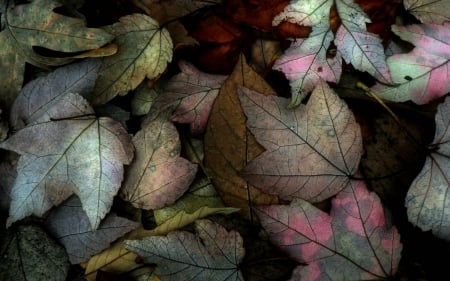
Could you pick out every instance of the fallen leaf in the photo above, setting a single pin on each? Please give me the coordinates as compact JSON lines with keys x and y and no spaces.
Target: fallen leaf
{"x":28,"y":253}
{"x":311,"y":151}
{"x":429,"y":11}
{"x":143,"y":98}
{"x":263,"y":54}
{"x":307,"y":61}
{"x":35,"y":24}
{"x":189,"y":96}
{"x":61,"y":156}
{"x":353,"y":242}
{"x":69,"y":224}
{"x":212,"y":254}
{"x":158,"y":175}
{"x":229,"y":146}
{"x":427,"y":200}
{"x":416,"y":73}
{"x":145,"y":49}
{"x":35,"y":99}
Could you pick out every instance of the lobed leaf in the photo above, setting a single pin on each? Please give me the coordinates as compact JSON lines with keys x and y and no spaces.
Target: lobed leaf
{"x":429,"y":11}
{"x":311,"y":151}
{"x":354,"y":242}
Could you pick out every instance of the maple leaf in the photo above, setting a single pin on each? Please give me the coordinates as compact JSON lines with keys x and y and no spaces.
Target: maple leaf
{"x":213,"y":254}
{"x":69,"y":224}
{"x":61,"y":156}
{"x":36,"y":24}
{"x":429,"y":11}
{"x":28,"y":252}
{"x":427,"y":201}
{"x":158,"y":175}
{"x":189,"y":95}
{"x":421,"y":75}
{"x":310,"y":151}
{"x":306,"y":62}
{"x":42,"y":93}
{"x":353,"y":242}
{"x":144,"y":51}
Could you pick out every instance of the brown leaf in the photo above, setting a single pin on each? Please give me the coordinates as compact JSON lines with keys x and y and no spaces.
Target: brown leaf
{"x":229,"y":146}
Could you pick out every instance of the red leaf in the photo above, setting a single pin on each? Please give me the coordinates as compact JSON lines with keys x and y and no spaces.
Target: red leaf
{"x":353,"y":242}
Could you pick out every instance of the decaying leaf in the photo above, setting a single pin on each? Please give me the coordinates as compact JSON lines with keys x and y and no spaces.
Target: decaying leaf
{"x":35,"y":24}
{"x":427,"y":201}
{"x":144,"y":51}
{"x":212,"y":254}
{"x":61,"y":156}
{"x":307,"y":61}
{"x":353,"y":242}
{"x":429,"y":11}
{"x":28,"y":253}
{"x":35,"y":99}
{"x":158,"y":176}
{"x":69,"y":224}
{"x":189,"y":96}
{"x":143,"y":98}
{"x":311,"y":151}
{"x":229,"y":146}
{"x":422,"y":75}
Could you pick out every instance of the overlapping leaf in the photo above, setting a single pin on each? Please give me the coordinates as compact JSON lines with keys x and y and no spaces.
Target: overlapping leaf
{"x":70,"y":225}
{"x":37,"y":25}
{"x":61,"y":156}
{"x":190,"y":96}
{"x":158,"y":175}
{"x":423,"y":74}
{"x":213,"y":254}
{"x":353,"y":242}
{"x":306,"y":61}
{"x":429,"y":11}
{"x":428,"y":200}
{"x":310,"y":151}
{"x":144,"y":51}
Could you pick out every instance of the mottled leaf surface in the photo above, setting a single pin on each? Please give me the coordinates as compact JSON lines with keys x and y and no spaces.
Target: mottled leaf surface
{"x":308,"y":60}
{"x":311,"y":150}
{"x":41,"y":94}
{"x":36,"y":24}
{"x":229,"y":145}
{"x":145,"y":49}
{"x":421,"y":75}
{"x":28,"y":253}
{"x":429,"y":11}
{"x":189,"y":95}
{"x":69,"y":224}
{"x":158,"y":176}
{"x":428,"y":199}
{"x":212,"y":254}
{"x":353,"y":242}
{"x":82,"y":155}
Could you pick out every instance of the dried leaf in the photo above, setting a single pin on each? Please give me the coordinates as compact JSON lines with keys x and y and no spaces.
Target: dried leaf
{"x":416,"y":73}
{"x":36,"y":24}
{"x":84,"y":156}
{"x":229,"y":146}
{"x":213,"y":254}
{"x":28,"y":253}
{"x":43,"y":93}
{"x":70,"y":225}
{"x":311,"y":151}
{"x":158,"y":176}
{"x":144,"y":51}
{"x":354,"y":242}
{"x":143,"y":99}
{"x":189,"y":96}
{"x":429,"y":11}
{"x":427,"y":200}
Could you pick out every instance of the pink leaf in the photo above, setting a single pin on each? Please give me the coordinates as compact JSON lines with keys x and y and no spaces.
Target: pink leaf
{"x":354,"y":242}
{"x":311,"y":150}
{"x":423,"y":74}
{"x":189,"y":95}
{"x":306,"y":62}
